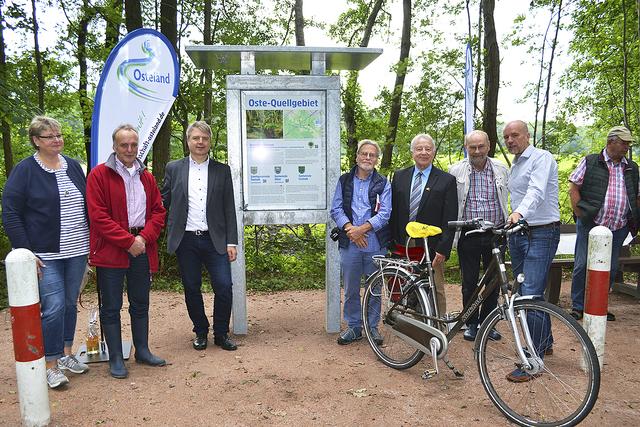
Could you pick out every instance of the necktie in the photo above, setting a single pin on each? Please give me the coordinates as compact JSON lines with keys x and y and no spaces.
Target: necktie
{"x":416,"y":195}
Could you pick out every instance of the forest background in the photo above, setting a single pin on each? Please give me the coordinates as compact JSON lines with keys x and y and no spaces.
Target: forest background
{"x":582,"y":58}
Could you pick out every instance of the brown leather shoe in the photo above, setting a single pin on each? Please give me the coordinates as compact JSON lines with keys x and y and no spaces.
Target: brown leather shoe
{"x":520,"y":376}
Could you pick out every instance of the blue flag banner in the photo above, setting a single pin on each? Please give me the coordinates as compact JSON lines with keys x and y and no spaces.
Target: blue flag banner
{"x":138,"y":85}
{"x":468,"y":91}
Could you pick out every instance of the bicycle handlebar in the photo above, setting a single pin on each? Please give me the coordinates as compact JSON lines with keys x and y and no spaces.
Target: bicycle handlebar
{"x":479,"y":225}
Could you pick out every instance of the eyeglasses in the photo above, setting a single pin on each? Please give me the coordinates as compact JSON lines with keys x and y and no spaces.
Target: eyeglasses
{"x":50,"y":138}
{"x":368,"y":155}
{"x":200,"y":138}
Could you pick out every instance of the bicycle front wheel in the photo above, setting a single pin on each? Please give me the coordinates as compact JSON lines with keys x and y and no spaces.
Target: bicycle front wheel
{"x":563,"y":385}
{"x":383,"y":291}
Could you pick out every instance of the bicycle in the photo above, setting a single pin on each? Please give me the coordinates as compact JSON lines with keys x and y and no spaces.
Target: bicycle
{"x":563,"y":372}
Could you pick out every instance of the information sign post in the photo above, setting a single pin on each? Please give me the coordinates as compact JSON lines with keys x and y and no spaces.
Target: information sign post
{"x":283,"y":144}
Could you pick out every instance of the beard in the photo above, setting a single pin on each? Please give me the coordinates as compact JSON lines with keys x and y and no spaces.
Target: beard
{"x":478,"y":162}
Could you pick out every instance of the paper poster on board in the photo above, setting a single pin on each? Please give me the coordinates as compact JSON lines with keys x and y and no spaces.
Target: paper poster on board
{"x":284,"y":150}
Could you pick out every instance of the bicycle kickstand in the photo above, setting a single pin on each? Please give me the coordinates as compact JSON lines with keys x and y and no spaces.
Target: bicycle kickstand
{"x":456,"y":372}
{"x":430,"y":373}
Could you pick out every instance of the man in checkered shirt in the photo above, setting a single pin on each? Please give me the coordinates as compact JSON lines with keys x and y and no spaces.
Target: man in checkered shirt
{"x":603,"y":191}
{"x":482,"y":193}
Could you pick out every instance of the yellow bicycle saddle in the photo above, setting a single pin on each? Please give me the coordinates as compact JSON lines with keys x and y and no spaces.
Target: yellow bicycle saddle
{"x":417,"y":230}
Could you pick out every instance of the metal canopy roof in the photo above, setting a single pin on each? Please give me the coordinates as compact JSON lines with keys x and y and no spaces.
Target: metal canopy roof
{"x":293,"y":58}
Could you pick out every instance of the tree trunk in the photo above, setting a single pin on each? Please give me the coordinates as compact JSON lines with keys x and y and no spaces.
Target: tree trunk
{"x":132,"y":15}
{"x":351,"y":94}
{"x":38,"y":57}
{"x":478,"y":60}
{"x":491,"y":75}
{"x":299,"y":23}
{"x":540,"y":73}
{"x":85,"y":102}
{"x":625,"y":66}
{"x":168,"y":27}
{"x":5,"y":126}
{"x":549,"y":75}
{"x":113,"y":18}
{"x":396,"y":99}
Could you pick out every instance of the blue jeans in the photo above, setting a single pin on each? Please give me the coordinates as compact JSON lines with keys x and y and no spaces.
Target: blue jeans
{"x":533,"y":256}
{"x":578,"y":280}
{"x":59,"y":289}
{"x":111,"y":285}
{"x":355,"y":264}
{"x":194,"y":252}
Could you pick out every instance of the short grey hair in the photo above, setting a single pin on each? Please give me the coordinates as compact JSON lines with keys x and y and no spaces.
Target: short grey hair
{"x":201,"y":125}
{"x":473,"y":133}
{"x":125,"y":126}
{"x":420,"y":136}
{"x":369,"y":142}
{"x":40,"y":124}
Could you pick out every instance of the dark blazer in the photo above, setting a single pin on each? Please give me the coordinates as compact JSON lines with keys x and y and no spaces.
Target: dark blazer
{"x":221,"y":215}
{"x":439,"y":204}
{"x":31,"y":205}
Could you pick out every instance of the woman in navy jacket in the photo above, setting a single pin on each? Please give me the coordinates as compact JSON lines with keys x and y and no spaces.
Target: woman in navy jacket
{"x":44,"y":210}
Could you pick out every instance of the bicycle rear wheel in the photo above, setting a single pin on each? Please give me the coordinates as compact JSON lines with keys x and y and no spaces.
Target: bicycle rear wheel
{"x":383,"y":291}
{"x":563,"y":390}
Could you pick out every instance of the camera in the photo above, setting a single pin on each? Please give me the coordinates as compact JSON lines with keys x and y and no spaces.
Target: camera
{"x":335,"y":234}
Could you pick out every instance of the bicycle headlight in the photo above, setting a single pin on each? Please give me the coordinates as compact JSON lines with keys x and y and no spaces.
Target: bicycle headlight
{"x":520,"y":278}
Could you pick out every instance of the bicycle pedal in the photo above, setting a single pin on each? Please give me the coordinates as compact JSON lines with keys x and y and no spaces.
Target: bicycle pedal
{"x":429,"y":373}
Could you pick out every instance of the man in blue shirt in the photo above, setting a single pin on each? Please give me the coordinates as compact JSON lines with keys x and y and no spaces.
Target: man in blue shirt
{"x":533,"y":185}
{"x":361,"y":208}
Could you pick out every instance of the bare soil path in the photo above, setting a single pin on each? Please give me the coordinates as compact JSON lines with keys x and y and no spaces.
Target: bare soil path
{"x":288,"y":371}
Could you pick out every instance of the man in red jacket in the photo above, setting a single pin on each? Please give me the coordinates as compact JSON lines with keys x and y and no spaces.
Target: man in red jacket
{"x":125,"y":217}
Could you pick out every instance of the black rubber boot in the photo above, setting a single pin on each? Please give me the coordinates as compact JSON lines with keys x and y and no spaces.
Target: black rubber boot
{"x":113,"y":336}
{"x":140,"y":332}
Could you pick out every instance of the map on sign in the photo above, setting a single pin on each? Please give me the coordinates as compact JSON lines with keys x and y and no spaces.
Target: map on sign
{"x":302,"y":124}
{"x":284,"y":140}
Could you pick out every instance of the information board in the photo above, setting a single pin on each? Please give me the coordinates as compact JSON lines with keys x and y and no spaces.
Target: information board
{"x":284,"y":150}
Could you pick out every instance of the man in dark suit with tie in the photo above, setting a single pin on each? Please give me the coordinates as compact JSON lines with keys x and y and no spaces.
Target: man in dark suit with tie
{"x":201,"y":229}
{"x":428,"y":195}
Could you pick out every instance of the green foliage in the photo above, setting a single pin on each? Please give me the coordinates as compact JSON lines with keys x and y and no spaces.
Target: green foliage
{"x":596,"y":77}
{"x":285,"y":257}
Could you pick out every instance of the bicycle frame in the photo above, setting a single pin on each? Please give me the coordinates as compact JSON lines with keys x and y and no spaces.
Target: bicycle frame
{"x":494,"y":277}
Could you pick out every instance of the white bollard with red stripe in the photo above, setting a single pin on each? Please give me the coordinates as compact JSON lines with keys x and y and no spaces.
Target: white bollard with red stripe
{"x":596,"y":297}
{"x":28,"y":347}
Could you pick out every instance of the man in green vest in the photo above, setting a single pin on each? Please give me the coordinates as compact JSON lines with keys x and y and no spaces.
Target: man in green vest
{"x":603,"y":191}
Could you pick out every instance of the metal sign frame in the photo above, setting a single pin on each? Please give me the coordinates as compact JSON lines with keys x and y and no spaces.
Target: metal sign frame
{"x":316,"y":61}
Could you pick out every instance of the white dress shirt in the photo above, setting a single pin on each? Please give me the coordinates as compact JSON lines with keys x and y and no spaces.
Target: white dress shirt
{"x":198,"y":183}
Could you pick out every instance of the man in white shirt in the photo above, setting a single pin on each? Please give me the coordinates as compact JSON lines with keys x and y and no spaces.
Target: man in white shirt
{"x":533,"y":185}
{"x":198,"y":194}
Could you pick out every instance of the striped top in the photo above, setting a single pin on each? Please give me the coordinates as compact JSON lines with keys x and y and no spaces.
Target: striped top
{"x":74,"y":228}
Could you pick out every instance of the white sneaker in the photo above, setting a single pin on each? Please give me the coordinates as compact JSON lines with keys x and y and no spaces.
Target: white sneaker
{"x":70,"y":363}
{"x":55,"y":378}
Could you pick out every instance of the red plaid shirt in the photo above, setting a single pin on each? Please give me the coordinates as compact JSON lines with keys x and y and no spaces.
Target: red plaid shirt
{"x":615,"y":207}
{"x":482,"y":199}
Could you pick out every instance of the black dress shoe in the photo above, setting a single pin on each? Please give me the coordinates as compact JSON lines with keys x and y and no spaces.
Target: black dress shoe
{"x":225,"y":342}
{"x":200,"y":342}
{"x":470,"y":333}
{"x":494,"y":335}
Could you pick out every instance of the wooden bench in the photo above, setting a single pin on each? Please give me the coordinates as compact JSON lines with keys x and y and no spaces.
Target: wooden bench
{"x":626,"y":263}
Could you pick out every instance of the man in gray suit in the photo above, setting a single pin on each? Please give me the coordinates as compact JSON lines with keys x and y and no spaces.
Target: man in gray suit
{"x":201,"y":227}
